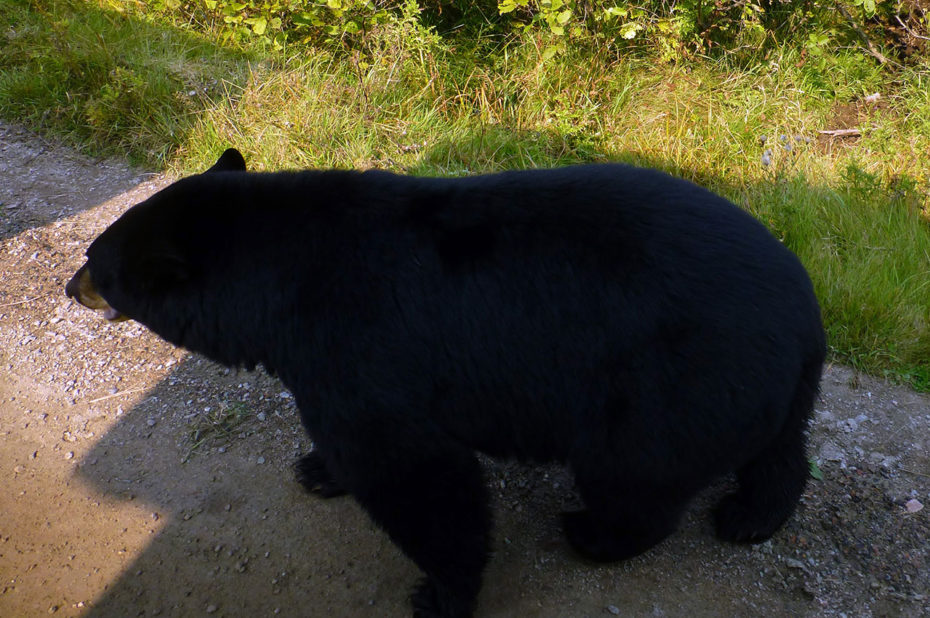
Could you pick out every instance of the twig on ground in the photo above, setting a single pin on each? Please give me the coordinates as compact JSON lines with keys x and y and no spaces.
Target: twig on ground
{"x":842,"y":132}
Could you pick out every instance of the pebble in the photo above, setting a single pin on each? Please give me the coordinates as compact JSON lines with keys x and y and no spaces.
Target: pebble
{"x":912,"y":506}
{"x":831,"y":452}
{"x":613,"y":609}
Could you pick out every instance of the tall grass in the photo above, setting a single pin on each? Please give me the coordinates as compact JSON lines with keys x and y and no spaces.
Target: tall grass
{"x":105,"y":82}
{"x":854,"y":209}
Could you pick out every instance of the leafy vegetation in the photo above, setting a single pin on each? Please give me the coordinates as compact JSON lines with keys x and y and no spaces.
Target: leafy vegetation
{"x":218,"y":427}
{"x":732,"y":95}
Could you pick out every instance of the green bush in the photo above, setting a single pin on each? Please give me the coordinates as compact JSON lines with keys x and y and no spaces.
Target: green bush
{"x":675,"y":28}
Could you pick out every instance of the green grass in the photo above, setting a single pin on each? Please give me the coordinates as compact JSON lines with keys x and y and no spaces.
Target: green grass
{"x":104,"y":82}
{"x":218,"y":428}
{"x":855,"y":210}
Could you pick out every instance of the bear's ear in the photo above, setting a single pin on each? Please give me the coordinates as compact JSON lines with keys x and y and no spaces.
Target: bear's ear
{"x":230,"y":161}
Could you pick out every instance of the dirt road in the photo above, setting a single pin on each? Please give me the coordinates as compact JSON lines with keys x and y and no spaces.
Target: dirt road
{"x":136,"y":479}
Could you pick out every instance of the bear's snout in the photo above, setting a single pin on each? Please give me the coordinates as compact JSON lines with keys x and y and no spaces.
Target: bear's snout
{"x":72,"y":288}
{"x":81,"y":288}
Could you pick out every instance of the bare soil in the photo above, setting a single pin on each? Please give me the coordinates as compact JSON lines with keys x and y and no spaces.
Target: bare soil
{"x":138,"y":479}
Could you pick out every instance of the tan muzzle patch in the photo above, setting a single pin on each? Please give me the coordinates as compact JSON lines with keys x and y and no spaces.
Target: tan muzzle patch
{"x":81,"y":288}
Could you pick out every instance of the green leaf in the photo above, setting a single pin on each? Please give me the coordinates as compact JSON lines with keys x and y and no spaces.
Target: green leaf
{"x":815,"y":470}
{"x":304,"y":19}
{"x":550,"y":52}
{"x":506,"y":6}
{"x":616,"y":11}
{"x":259,"y":24}
{"x":564,"y":16}
{"x":629,"y":30}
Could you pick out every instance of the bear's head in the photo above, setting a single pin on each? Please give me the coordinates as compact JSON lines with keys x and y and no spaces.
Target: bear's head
{"x":148,"y":264}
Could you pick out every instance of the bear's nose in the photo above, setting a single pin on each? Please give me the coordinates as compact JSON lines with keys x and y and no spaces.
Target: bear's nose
{"x":72,"y":288}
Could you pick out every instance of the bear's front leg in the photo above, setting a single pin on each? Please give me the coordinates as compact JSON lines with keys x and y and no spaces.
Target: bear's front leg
{"x":313,"y":475}
{"x":428,"y":493}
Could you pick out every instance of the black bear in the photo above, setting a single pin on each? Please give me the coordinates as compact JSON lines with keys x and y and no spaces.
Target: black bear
{"x":642,"y":330}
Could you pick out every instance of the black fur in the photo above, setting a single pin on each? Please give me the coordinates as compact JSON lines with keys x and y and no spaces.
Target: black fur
{"x":635,"y":326}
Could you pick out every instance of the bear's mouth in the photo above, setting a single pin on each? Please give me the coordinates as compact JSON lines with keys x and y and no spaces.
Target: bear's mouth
{"x":81,"y":288}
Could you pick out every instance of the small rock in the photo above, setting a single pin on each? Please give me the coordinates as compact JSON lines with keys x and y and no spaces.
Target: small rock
{"x":793,"y":563}
{"x":151,"y":422}
{"x":613,"y":609}
{"x":912,"y":506}
{"x":211,"y":608}
{"x":260,"y":460}
{"x":261,"y":416}
{"x":849,"y":425}
{"x":831,"y":452}
{"x":69,"y":455}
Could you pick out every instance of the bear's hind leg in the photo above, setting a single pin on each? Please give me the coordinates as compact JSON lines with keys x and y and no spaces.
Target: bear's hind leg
{"x":622,"y":520}
{"x":769,"y":489}
{"x":771,"y":484}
